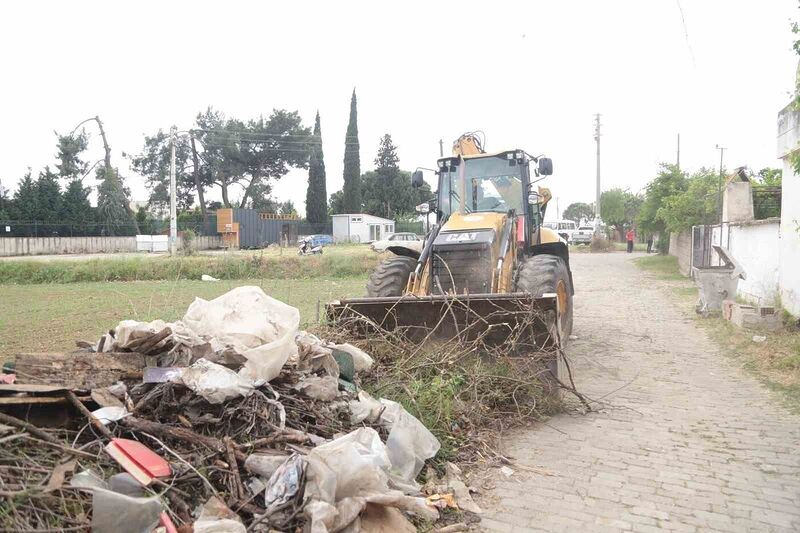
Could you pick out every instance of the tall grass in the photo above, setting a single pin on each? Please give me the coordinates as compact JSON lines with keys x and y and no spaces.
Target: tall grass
{"x":192,"y":268}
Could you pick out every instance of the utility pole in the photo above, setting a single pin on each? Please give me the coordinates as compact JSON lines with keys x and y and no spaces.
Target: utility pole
{"x":441,"y":148}
{"x":558,"y":211}
{"x":597,"y":192}
{"x":678,"y":159}
{"x":719,"y":199}
{"x":173,"y":215}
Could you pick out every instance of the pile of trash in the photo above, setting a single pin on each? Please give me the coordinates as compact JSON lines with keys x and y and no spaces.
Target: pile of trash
{"x":230,"y":419}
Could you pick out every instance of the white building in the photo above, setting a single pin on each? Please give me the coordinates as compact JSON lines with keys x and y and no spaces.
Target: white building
{"x":360,"y":228}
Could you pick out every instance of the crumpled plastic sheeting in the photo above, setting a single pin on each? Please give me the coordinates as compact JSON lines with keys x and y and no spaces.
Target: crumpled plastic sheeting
{"x":214,"y":382}
{"x":113,"y":512}
{"x":408,"y":446}
{"x":259,"y":327}
{"x":216,"y":517}
{"x":325,"y":388}
{"x":343,"y":475}
{"x":313,"y":356}
{"x":366,"y":408}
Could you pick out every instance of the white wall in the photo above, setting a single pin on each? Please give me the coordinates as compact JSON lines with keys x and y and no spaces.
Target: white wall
{"x":756,"y":248}
{"x":11,"y":246}
{"x":355,"y":228}
{"x":789,"y":275}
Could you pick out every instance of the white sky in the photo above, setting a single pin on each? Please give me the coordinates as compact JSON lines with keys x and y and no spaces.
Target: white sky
{"x":529,"y":74}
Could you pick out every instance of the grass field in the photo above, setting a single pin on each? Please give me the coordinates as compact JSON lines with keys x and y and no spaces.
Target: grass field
{"x":51,"y":317}
{"x":776,"y":361}
{"x":337,"y":261}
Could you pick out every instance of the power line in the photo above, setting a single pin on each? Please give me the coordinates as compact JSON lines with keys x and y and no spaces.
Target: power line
{"x":686,"y":33}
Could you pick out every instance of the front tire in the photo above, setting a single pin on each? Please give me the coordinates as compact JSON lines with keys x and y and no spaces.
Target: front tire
{"x":391,"y":277}
{"x":545,"y":273}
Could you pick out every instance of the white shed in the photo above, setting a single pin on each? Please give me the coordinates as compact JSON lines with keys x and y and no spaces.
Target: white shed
{"x":361,"y":228}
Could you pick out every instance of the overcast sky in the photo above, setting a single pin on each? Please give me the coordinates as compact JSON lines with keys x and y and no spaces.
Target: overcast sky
{"x":529,"y":74}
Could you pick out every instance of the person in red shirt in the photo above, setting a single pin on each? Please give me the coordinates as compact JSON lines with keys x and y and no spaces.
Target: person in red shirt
{"x":629,"y":237}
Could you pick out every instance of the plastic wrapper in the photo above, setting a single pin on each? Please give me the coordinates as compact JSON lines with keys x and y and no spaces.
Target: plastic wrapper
{"x":264,"y":465}
{"x":214,"y":382}
{"x":284,"y":484}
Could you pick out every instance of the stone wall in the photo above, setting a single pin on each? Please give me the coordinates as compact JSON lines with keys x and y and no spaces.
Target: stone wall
{"x":680,"y":245}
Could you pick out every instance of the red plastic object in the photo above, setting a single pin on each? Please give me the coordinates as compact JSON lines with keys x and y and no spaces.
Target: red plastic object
{"x":8,"y":379}
{"x":166,"y":522}
{"x":138,"y":460}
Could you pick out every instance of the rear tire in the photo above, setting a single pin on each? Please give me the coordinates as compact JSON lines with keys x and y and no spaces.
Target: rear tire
{"x":547,"y":273}
{"x":391,"y":277}
{"x":542,"y":274}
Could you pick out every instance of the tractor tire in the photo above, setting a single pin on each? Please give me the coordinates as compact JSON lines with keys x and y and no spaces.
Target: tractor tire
{"x":391,"y":277}
{"x":545,"y":273}
{"x":538,"y":275}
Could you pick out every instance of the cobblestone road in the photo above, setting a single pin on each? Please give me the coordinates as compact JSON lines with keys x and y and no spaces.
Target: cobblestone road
{"x":688,"y":443}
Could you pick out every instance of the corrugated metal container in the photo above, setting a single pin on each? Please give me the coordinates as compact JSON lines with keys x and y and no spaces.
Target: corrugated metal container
{"x":256,"y":231}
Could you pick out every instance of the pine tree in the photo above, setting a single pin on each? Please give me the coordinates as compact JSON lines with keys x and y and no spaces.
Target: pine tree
{"x":76,"y":210}
{"x":387,"y":172}
{"x":316,"y":195}
{"x":113,"y":210}
{"x":48,"y":197}
{"x":352,"y":163}
{"x":24,"y":204}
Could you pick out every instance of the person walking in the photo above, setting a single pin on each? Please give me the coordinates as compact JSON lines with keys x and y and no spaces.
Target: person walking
{"x":649,"y":243}
{"x":629,"y":237}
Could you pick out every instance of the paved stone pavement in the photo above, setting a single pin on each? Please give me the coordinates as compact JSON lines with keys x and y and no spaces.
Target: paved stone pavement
{"x":689,"y":441}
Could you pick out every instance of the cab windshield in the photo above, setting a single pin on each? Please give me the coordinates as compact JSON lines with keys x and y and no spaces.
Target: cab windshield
{"x":492,"y":184}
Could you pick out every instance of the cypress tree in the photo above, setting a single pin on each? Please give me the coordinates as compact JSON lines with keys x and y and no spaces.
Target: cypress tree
{"x":76,"y":209}
{"x":352,"y":163}
{"x":48,"y":197}
{"x":23,"y":207}
{"x":316,"y":194}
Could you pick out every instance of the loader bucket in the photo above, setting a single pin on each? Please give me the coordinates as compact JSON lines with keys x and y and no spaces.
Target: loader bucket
{"x":530,"y":323}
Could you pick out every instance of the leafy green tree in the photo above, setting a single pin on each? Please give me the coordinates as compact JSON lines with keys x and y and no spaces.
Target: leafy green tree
{"x":221,"y":153}
{"x":770,"y":177}
{"x":48,"y":197}
{"x":316,"y":194}
{"x":154,"y":164}
{"x":351,"y":191}
{"x":669,"y":182}
{"x":287,"y":208}
{"x":619,"y":208}
{"x":696,"y":205}
{"x":113,"y":204}
{"x":336,"y":203}
{"x":400,"y":195}
{"x":271,"y":147}
{"x":579,"y":211}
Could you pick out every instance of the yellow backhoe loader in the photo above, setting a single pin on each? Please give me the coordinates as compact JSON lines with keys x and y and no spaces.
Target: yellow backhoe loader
{"x":488,"y":267}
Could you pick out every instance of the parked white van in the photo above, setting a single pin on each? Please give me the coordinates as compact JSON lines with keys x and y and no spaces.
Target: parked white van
{"x":565,"y":228}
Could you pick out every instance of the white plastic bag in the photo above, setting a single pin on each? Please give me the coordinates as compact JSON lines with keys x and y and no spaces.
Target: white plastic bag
{"x":366,"y":408}
{"x":409,"y":444}
{"x":259,"y":327}
{"x":214,"y":382}
{"x":358,"y":462}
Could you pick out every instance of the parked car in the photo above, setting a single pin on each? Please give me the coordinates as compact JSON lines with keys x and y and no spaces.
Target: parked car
{"x":317,"y":240}
{"x":411,"y":240}
{"x":583,"y":235}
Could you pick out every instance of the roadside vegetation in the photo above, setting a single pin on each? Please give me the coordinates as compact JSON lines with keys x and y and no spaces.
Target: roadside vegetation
{"x":775,"y":361}
{"x":348,"y":261}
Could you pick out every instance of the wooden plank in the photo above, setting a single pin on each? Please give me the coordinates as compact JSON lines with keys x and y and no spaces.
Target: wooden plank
{"x":78,"y":370}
